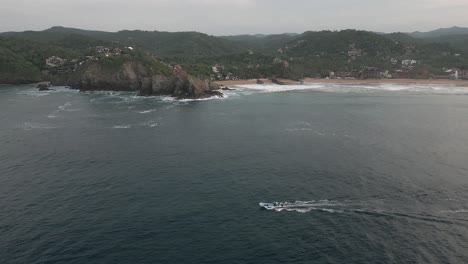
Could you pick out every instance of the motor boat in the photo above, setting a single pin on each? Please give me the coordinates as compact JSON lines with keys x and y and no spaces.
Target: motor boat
{"x":271,"y":206}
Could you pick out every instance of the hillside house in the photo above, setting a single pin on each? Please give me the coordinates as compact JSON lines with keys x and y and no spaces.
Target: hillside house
{"x":217,"y":68}
{"x":178,"y":69}
{"x":117,"y":51}
{"x":102,"y":49}
{"x":370,"y":73}
{"x":464,"y":74}
{"x":454,"y":73}
{"x":401,"y":74}
{"x":55,"y":61}
{"x":408,"y":63}
{"x":230,"y":76}
{"x":343,"y":74}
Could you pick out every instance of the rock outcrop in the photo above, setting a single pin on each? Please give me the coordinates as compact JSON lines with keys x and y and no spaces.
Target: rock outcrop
{"x":182,"y":86}
{"x":260,"y":81}
{"x":44,"y":86}
{"x":227,"y":89}
{"x":276,"y":81}
{"x":130,"y":76}
{"x":134,"y":76}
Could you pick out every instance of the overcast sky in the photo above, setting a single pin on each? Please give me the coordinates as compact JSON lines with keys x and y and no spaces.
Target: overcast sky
{"x":226,"y":17}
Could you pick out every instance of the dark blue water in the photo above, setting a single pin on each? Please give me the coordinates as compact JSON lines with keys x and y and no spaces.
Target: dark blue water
{"x":112,"y":178}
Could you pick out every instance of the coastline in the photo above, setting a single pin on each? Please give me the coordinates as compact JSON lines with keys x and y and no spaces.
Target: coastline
{"x":343,"y":81}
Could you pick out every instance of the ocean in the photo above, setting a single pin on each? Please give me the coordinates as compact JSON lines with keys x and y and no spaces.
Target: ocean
{"x":376,"y":174}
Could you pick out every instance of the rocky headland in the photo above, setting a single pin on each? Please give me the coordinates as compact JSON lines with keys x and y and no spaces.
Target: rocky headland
{"x":180,"y":86}
{"x":147,"y":78}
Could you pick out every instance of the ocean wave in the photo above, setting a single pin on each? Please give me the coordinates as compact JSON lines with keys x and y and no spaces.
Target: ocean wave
{"x":34,"y":92}
{"x":271,"y":88}
{"x":122,"y":127}
{"x":359,"y":88}
{"x":150,"y":124}
{"x":148,"y":111}
{"x":62,"y":108}
{"x":216,"y":97}
{"x":461,"y":211}
{"x":32,"y":126}
{"x":306,"y":127}
{"x":65,"y":106}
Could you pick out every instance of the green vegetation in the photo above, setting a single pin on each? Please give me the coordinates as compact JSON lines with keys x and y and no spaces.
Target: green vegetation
{"x":156,"y":67}
{"x":16,"y":70}
{"x":263,"y":43}
{"x":296,"y":56}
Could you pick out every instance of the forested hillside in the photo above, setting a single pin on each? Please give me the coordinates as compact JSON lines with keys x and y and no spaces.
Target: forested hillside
{"x":296,"y":56}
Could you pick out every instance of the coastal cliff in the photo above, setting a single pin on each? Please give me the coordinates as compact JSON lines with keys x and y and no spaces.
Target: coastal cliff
{"x":144,"y":75}
{"x":180,"y":86}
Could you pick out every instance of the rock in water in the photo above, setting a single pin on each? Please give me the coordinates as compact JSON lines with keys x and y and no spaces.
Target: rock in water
{"x":188,"y":87}
{"x":146,"y":87}
{"x":276,"y":81}
{"x":183,"y":86}
{"x":138,"y":76}
{"x":260,"y":81}
{"x":43,"y":87}
{"x":214,"y":86}
{"x":227,"y":89}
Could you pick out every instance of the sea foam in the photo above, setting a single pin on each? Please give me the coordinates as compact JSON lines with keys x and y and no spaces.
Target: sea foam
{"x":358,"y":88}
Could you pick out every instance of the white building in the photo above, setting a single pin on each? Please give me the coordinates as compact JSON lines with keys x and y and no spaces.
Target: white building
{"x":408,"y":63}
{"x":55,"y":61}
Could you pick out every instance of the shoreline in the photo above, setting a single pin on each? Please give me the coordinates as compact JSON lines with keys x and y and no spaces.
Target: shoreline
{"x":345,"y":81}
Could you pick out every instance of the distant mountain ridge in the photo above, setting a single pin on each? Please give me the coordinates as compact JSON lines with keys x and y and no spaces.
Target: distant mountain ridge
{"x":440,"y":32}
{"x":158,"y":42}
{"x":456,"y":36}
{"x":196,"y":43}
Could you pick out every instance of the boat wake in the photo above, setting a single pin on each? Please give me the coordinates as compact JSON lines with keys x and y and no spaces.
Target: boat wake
{"x":366,"y":208}
{"x":305,"y":206}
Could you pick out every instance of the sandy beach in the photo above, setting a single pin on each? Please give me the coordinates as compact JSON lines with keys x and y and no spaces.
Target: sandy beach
{"x":367,"y":81}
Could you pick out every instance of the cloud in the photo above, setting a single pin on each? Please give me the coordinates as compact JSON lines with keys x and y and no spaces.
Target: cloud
{"x":224,"y":3}
{"x":446,"y":3}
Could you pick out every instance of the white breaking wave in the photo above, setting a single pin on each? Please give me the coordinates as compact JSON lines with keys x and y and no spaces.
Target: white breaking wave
{"x":62,"y":108}
{"x":206,"y":99}
{"x":148,"y":111}
{"x":271,"y":88}
{"x":358,"y":88}
{"x":122,"y":127}
{"x":66,"y":108}
{"x":33,"y":91}
{"x":150,"y":124}
{"x":31,"y":126}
